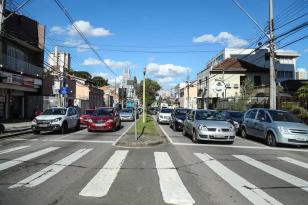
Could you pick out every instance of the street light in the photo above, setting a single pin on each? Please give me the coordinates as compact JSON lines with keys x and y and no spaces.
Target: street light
{"x":144,"y":73}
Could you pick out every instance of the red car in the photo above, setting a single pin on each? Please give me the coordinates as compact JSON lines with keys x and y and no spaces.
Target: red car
{"x":104,"y":119}
{"x":85,"y":116}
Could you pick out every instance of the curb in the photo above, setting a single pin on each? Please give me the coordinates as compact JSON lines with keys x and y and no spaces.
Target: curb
{"x":140,"y":144}
{"x":13,"y":134}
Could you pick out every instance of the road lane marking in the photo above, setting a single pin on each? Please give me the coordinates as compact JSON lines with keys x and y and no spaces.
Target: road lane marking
{"x":102,"y":181}
{"x":46,"y":173}
{"x":247,"y":189}
{"x":25,"y":158}
{"x":171,"y":185}
{"x":115,"y":142}
{"x":55,"y":140}
{"x":13,"y":149}
{"x":166,"y":134}
{"x":298,"y":182}
{"x":294,"y":161}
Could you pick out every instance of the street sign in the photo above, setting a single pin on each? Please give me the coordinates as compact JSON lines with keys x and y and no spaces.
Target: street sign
{"x":219,"y":87}
{"x":64,"y":90}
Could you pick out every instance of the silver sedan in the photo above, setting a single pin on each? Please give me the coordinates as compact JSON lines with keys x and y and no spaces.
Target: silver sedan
{"x":203,"y":125}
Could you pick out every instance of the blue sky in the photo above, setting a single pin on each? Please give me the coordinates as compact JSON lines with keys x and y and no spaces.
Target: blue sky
{"x":140,"y":32}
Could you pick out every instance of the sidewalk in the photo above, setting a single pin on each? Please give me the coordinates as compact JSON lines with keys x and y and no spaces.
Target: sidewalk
{"x":16,"y":127}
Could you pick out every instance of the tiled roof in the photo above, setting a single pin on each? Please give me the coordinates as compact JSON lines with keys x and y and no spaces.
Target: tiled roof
{"x":235,"y":64}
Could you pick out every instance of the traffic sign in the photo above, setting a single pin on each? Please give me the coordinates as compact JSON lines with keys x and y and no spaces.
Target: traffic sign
{"x":64,"y":90}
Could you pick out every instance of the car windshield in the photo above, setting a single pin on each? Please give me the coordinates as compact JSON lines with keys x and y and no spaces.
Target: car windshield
{"x":89,"y":112}
{"x":55,"y":111}
{"x":207,"y":115}
{"x":236,"y":114}
{"x":166,"y":111}
{"x":283,"y":116}
{"x":127,"y":110}
{"x":104,"y":112}
{"x":181,"y":111}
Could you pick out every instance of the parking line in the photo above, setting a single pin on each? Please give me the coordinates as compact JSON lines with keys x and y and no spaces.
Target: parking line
{"x":298,"y":182}
{"x":43,"y":175}
{"x":294,"y":161}
{"x":166,"y":134}
{"x":247,"y":189}
{"x":102,"y":181}
{"x":13,"y":149}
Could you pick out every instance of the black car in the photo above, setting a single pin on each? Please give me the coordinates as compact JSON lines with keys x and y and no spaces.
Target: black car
{"x":178,"y":116}
{"x":234,"y":117}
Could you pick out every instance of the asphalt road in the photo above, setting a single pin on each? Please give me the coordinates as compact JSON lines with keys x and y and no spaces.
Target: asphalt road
{"x":86,"y":168}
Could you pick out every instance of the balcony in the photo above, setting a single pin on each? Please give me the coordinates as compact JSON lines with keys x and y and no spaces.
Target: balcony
{"x":21,"y":66}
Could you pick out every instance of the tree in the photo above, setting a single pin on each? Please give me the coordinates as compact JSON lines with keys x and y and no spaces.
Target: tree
{"x":302,"y":93}
{"x":247,"y":88}
{"x":151,"y":88}
{"x":82,"y":74}
{"x":99,"y":81}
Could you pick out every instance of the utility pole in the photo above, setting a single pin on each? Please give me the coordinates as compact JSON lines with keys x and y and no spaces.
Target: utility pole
{"x":187,"y":81}
{"x":2,"y":17}
{"x":60,"y":77}
{"x":272,"y":57}
{"x":144,"y":109}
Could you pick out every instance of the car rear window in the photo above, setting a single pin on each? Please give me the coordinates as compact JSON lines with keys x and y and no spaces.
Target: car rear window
{"x":166,"y":111}
{"x":181,"y":111}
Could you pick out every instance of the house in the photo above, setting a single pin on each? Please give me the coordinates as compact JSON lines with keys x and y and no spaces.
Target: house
{"x":21,"y":66}
{"x":189,"y":99}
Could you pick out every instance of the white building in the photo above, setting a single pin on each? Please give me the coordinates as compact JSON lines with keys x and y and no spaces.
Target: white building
{"x":301,"y":75}
{"x":129,"y":88}
{"x":58,"y":61}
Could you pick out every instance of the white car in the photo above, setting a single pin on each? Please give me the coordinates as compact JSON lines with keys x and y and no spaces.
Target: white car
{"x":56,"y":119}
{"x":164,"y":116}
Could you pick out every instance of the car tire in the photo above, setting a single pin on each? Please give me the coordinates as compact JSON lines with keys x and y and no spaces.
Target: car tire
{"x":271,"y":139}
{"x":184,"y":133}
{"x":194,"y":137}
{"x":119,"y":127}
{"x":64,"y":128}
{"x":36,"y":132}
{"x":1,"y":129}
{"x":174,"y":128}
{"x":78,"y":126}
{"x":244,"y":133}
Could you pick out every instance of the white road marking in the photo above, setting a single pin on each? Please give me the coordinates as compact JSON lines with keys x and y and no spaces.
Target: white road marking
{"x":13,"y":149}
{"x":300,"y":183}
{"x":247,"y":189}
{"x":240,"y":147}
{"x":294,"y":161}
{"x":166,"y":134}
{"x":171,"y":185}
{"x":102,"y":181}
{"x":22,"y":139}
{"x":115,"y":142}
{"x":25,"y":158}
{"x":55,"y":140}
{"x":71,"y":134}
{"x":46,"y":173}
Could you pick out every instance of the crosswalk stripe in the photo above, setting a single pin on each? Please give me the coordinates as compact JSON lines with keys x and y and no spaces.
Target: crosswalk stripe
{"x":298,"y":182}
{"x":46,"y":173}
{"x":171,"y":185}
{"x":13,"y":149}
{"x":25,"y":158}
{"x":247,"y":189}
{"x":102,"y":181}
{"x":294,"y":161}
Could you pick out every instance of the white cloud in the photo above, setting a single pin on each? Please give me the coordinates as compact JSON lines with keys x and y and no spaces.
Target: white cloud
{"x":302,"y":69}
{"x":287,"y":50}
{"x":151,"y":59}
{"x":103,"y":75}
{"x":111,"y":63}
{"x":167,"y":70}
{"x":84,"y":26}
{"x":223,"y":38}
{"x":165,"y":80}
{"x":117,"y":80}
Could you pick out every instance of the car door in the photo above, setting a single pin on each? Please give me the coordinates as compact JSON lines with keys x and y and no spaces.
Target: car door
{"x":250,"y":122}
{"x":75,"y":117}
{"x":259,"y":124}
{"x":186,"y":121}
{"x":190,"y":122}
{"x":69,"y":118}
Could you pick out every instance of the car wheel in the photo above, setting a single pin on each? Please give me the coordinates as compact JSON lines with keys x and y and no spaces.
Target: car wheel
{"x":194,"y":137}
{"x":184,"y":133}
{"x":78,"y":126}
{"x":36,"y":132}
{"x":119,"y":127}
{"x":1,"y":129}
{"x":64,"y":128}
{"x":271,"y":140}
{"x":244,"y":133}
{"x":174,"y":128}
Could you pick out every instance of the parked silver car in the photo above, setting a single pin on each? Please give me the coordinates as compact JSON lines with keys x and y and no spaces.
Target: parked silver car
{"x":127,"y":115}
{"x":203,"y":125}
{"x":275,"y":126}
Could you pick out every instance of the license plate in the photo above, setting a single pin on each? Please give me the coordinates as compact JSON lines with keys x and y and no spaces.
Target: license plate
{"x":99,"y":125}
{"x":219,"y":137}
{"x":43,"y":125}
{"x":301,"y":139}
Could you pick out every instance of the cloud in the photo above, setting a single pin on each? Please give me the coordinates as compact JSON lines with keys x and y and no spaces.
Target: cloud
{"x":117,"y":80}
{"x":151,"y":59}
{"x":167,"y":70}
{"x":165,"y":80}
{"x":287,"y":50}
{"x":111,"y":63}
{"x":223,"y":38}
{"x":81,"y":47}
{"x":84,"y":26}
{"x":302,"y":69}
{"x":103,"y":75}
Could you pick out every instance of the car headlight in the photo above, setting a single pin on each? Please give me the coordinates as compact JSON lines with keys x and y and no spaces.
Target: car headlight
{"x":231,"y":128}
{"x":90,"y":120}
{"x":202,"y":127}
{"x":56,"y":120}
{"x":283,"y":130}
{"x":34,"y":121}
{"x":110,"y":120}
{"x":179,"y":120}
{"x":160,"y":116}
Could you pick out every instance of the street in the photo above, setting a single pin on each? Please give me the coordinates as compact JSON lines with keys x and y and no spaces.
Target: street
{"x":86,"y":168}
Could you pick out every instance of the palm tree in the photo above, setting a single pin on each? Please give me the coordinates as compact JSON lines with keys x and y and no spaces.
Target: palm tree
{"x":302,"y":93}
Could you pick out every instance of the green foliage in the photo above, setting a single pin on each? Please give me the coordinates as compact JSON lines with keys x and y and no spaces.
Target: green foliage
{"x":247,"y":88}
{"x":302,"y":93}
{"x":82,"y":74}
{"x":151,"y":88}
{"x":99,"y":81}
{"x":148,"y":127}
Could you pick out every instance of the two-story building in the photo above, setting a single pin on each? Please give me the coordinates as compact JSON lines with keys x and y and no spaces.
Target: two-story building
{"x":21,"y":66}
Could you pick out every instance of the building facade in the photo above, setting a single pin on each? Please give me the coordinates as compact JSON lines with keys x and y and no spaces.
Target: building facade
{"x":21,"y":67}
{"x":301,"y":75}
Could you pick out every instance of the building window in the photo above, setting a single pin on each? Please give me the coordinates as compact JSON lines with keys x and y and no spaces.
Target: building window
{"x":285,"y":60}
{"x":257,"y":80}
